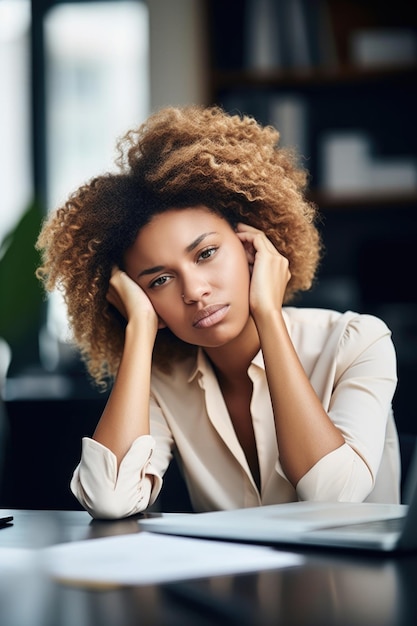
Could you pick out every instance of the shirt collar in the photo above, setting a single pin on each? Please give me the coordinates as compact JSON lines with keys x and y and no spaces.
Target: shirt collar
{"x":202,"y":366}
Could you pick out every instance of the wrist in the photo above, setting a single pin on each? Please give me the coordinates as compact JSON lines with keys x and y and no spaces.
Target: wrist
{"x":269,"y":321}
{"x":144,"y":328}
{"x":270,"y":315}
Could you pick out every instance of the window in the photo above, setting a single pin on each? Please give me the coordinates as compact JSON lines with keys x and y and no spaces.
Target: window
{"x":15,"y":133}
{"x":96,"y":61}
{"x":97,"y":88}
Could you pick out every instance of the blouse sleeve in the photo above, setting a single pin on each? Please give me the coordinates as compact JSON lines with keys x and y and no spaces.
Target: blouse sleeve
{"x":341,"y":475}
{"x":107,"y":493}
{"x":362,"y":380}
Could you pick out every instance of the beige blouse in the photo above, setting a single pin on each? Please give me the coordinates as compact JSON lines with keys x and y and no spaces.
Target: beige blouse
{"x":351,"y":363}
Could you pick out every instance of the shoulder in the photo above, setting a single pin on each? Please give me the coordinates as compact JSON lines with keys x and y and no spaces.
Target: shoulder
{"x":299,"y":317}
{"x":348,"y":332}
{"x":330,"y":344}
{"x":329,"y":321}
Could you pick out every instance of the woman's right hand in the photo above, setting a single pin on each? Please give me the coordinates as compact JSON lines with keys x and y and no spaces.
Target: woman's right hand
{"x":129,"y":299}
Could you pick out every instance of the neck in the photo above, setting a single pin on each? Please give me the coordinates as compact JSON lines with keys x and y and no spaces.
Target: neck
{"x":231,"y":361}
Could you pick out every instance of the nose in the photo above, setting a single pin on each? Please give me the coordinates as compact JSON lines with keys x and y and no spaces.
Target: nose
{"x":194,"y":288}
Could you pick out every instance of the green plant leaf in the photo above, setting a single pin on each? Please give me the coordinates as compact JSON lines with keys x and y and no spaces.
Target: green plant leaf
{"x":21,"y":297}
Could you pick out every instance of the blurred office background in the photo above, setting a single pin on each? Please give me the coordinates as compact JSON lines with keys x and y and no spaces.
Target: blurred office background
{"x":338,"y":79}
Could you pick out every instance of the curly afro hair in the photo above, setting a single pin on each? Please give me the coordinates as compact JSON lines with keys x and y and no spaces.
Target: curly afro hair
{"x":180,"y":157}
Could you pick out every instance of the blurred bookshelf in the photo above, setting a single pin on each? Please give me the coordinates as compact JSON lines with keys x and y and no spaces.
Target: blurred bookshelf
{"x":338,"y":80}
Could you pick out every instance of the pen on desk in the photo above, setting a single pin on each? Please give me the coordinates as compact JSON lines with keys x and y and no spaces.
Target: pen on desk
{"x":6,"y":521}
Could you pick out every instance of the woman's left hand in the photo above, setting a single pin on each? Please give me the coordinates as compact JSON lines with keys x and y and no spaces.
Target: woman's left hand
{"x":269,"y":269}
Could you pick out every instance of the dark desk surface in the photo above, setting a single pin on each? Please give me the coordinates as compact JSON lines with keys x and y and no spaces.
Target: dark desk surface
{"x":329,"y":588}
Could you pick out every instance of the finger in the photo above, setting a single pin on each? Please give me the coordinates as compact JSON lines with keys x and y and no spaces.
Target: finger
{"x":256,"y":238}
{"x":118,"y":279}
{"x":248,"y":247}
{"x":248,"y":233}
{"x":253,"y":241}
{"x":114,"y":270}
{"x":242,"y":227}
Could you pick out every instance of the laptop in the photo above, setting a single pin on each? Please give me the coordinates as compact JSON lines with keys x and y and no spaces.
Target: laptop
{"x":365,"y":526}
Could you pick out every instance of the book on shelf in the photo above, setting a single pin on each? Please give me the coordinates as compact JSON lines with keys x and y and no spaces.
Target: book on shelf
{"x":288,"y":114}
{"x":349,"y":165}
{"x":288,"y":34}
{"x":383,"y":47}
{"x":262,"y":46}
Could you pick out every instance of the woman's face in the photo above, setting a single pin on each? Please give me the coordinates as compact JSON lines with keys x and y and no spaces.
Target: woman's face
{"x":194,"y":270}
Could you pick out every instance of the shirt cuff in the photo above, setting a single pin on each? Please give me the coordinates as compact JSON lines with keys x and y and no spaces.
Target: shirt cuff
{"x":108,"y":493}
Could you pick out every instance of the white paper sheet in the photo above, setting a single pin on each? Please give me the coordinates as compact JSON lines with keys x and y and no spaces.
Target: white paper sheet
{"x":147,"y":558}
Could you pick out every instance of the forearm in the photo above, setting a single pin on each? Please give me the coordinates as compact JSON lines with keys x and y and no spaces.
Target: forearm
{"x":305,"y":433}
{"x":126,"y":415}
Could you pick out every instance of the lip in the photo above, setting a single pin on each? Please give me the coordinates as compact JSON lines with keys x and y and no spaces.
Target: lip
{"x":210,"y":315}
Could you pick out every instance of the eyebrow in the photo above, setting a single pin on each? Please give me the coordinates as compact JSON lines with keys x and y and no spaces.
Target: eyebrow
{"x":188,"y":249}
{"x":197,"y":241}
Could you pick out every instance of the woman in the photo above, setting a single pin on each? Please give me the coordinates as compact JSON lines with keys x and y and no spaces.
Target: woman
{"x":177,"y":272}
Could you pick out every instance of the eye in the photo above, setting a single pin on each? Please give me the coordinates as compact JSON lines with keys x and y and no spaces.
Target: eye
{"x":159,"y":282}
{"x":207,"y":253}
